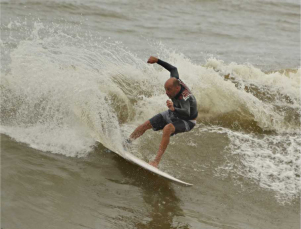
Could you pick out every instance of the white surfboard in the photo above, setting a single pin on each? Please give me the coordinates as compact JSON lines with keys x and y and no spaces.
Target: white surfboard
{"x":130,"y":157}
{"x":133,"y":159}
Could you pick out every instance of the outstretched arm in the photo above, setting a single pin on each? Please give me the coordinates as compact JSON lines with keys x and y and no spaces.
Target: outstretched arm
{"x":173,"y":70}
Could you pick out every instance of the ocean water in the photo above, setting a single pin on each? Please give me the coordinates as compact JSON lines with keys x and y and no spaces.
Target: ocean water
{"x":73,"y":72}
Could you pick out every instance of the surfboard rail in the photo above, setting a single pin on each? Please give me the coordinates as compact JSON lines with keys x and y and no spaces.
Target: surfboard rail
{"x":132,"y":158}
{"x":137,"y":161}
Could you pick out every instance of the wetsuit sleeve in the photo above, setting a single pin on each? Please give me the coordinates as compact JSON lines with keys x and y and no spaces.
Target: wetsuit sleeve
{"x":184,"y":111}
{"x":173,"y":70}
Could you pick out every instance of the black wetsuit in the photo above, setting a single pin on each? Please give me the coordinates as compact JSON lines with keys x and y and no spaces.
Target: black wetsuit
{"x":184,"y":102}
{"x":185,"y":107}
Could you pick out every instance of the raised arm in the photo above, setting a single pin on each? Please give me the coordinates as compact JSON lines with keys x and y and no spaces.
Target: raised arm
{"x":173,"y":70}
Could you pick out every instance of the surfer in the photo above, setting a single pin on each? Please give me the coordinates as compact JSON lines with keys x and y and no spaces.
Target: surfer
{"x":180,"y":116}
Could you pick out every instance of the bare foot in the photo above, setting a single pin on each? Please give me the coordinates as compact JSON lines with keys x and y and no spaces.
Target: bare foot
{"x":127,"y":143}
{"x":154,"y":163}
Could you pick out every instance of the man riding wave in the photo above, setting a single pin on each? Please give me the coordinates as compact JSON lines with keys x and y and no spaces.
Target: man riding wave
{"x":180,"y":117}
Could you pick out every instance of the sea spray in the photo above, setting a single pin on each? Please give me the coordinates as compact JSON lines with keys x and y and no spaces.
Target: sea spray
{"x":272,"y":161}
{"x":62,"y":92}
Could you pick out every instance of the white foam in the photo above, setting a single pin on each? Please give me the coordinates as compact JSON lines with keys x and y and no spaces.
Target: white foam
{"x":271,"y":161}
{"x":287,"y":83}
{"x":63,"y":140}
{"x":92,"y":87}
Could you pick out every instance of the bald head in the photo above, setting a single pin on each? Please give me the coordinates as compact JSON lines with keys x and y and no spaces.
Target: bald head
{"x":172,"y":82}
{"x":172,"y":87}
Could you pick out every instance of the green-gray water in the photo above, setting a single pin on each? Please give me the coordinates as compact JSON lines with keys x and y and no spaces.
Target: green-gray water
{"x":75,"y":72}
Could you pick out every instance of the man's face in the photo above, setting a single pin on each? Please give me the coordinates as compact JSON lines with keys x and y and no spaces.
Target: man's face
{"x":171,"y":90}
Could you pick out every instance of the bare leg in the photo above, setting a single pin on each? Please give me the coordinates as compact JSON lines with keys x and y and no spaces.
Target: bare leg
{"x":140,"y":130}
{"x":167,"y":131}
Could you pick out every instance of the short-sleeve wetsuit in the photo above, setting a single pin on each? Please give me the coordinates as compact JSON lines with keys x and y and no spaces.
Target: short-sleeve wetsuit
{"x":185,"y":104}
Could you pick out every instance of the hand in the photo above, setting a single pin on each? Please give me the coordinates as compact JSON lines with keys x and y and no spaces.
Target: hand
{"x":152,"y":60}
{"x":169,"y":104}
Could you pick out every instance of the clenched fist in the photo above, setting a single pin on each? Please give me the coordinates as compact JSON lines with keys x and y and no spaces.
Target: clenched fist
{"x":152,"y":60}
{"x":170,"y":105}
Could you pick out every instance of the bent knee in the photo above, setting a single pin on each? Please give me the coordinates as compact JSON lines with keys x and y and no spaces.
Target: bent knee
{"x":169,"y":129}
